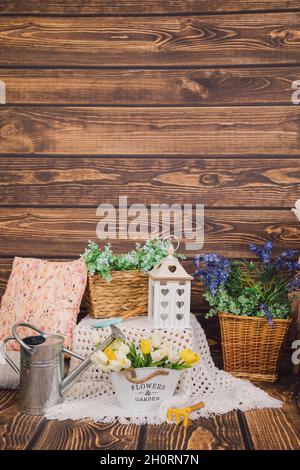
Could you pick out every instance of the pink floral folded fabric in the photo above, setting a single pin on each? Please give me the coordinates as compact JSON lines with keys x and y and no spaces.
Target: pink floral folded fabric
{"x":46,"y":294}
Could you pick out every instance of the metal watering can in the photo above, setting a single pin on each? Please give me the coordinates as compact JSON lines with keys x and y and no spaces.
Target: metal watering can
{"x":42,"y":381}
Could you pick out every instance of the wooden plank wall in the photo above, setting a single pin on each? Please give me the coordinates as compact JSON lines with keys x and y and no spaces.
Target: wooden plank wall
{"x":162,"y":101}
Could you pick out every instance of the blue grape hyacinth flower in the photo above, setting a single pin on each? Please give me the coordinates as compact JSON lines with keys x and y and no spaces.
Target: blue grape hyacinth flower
{"x":264,"y":308}
{"x":213,"y":270}
{"x":263,"y":253}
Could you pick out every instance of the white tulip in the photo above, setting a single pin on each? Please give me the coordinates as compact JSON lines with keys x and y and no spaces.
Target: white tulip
{"x":126,"y":363}
{"x":115,"y":366}
{"x":174,"y":357}
{"x":103,"y":368}
{"x":168,"y":347}
{"x":101,"y":361}
{"x":158,"y":355}
{"x":122,"y":358}
{"x":99,"y":358}
{"x":124,"y":348}
{"x":156,"y":340}
{"x":121,"y":362}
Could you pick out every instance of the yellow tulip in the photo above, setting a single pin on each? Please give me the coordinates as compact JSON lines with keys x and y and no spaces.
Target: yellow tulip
{"x":145,"y":346}
{"x":110,"y":354}
{"x":189,"y":357}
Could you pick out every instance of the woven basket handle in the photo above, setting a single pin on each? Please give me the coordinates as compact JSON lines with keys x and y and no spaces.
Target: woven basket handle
{"x":130,"y":375}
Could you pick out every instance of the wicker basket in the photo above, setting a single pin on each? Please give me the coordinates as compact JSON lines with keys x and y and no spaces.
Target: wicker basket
{"x":126,"y":293}
{"x":251,"y":346}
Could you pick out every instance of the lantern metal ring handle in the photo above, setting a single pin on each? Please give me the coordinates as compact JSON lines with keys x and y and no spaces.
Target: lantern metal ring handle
{"x":172,"y":237}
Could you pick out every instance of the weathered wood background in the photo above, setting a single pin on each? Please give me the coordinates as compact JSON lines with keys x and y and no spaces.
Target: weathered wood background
{"x":162,"y":101}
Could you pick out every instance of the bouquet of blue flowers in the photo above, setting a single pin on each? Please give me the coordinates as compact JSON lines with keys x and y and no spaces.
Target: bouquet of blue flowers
{"x":248,"y":288}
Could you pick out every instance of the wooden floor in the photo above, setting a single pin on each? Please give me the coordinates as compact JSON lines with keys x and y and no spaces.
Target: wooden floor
{"x":260,"y":429}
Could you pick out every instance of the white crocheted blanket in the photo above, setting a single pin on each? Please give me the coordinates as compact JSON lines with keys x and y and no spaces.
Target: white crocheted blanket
{"x":8,"y":377}
{"x":93,"y":398}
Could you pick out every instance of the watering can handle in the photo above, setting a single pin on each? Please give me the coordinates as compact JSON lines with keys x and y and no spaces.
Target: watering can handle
{"x":35,"y":328}
{"x":6,"y":356}
{"x":20,"y":341}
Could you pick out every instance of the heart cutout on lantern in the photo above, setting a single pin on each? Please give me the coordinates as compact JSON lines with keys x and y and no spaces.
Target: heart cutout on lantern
{"x":172,"y":268}
{"x":180,"y":291}
{"x":179,"y":316}
{"x":163,"y":316}
{"x":179,"y":304}
{"x":164,"y":303}
{"x":165,"y":291}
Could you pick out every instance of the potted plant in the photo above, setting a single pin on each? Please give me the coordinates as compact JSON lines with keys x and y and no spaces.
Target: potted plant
{"x":118,"y":284}
{"x":253,"y":302}
{"x":144,"y":376}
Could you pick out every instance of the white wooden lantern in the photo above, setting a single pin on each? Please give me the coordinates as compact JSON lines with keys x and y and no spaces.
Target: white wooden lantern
{"x":169,"y":294}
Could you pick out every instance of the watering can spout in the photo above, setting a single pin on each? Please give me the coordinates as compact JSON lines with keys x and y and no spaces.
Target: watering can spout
{"x":73,"y":376}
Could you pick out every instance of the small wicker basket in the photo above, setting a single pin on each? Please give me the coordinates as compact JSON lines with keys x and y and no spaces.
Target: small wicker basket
{"x":126,"y":292}
{"x":251,"y":347}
